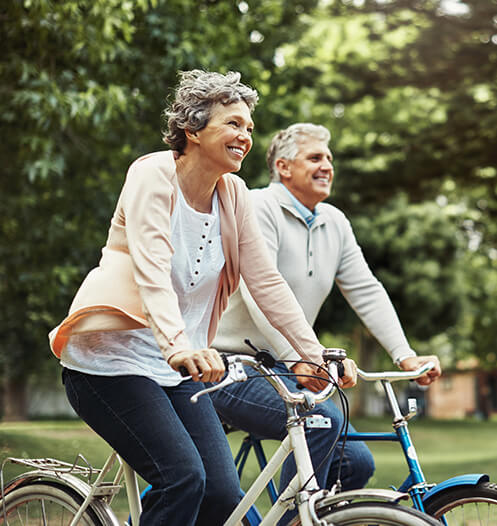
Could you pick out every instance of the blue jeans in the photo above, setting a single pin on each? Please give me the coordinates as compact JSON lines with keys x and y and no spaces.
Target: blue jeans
{"x":178,"y":447}
{"x":254,"y":406}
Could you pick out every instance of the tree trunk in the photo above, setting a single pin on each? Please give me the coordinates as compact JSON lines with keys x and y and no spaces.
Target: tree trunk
{"x":367,"y":355}
{"x":14,"y":398}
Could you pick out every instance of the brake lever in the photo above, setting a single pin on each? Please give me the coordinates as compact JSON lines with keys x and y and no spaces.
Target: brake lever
{"x":236,"y":373}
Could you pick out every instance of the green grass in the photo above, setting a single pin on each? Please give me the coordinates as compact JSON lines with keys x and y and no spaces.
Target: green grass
{"x":445,"y":449}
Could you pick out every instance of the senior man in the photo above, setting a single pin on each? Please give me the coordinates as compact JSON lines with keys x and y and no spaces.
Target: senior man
{"x":313,"y":246}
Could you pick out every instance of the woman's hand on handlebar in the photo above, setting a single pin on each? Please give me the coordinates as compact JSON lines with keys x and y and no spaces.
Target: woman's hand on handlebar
{"x":205,"y":362}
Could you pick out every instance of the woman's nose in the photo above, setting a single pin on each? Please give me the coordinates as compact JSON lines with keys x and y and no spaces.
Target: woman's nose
{"x":245,"y":136}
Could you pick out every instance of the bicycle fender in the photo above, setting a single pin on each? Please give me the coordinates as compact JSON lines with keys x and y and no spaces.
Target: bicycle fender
{"x":470,"y":479}
{"x":63,"y":479}
{"x":373,"y":494}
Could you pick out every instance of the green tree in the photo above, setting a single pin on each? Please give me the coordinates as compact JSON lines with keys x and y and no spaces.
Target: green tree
{"x":62,"y":111}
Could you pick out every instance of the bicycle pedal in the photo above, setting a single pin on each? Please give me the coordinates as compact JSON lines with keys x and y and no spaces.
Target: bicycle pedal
{"x":317,"y":422}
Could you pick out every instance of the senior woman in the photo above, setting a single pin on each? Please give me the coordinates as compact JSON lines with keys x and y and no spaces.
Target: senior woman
{"x":182,"y":234}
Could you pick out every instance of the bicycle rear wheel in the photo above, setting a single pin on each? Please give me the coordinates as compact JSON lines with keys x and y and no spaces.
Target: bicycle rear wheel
{"x":373,"y":514}
{"x":467,"y":505}
{"x":44,"y":503}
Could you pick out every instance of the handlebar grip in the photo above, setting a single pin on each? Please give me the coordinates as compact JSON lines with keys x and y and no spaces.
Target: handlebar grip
{"x":184,"y":371}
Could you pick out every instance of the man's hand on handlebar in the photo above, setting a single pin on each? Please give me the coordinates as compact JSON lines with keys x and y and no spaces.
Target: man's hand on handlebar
{"x":306,"y":369}
{"x":349,"y":379}
{"x":413,"y":362}
{"x":205,"y":362}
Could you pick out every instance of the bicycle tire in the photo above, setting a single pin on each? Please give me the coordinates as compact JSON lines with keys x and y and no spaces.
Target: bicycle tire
{"x":44,"y":503}
{"x":373,"y":514}
{"x":464,"y":505}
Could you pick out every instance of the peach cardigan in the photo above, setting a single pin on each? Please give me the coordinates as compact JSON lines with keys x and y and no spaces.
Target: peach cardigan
{"x":131,"y":287}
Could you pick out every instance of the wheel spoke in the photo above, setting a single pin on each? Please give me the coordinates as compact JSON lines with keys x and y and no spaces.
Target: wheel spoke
{"x":43,"y":513}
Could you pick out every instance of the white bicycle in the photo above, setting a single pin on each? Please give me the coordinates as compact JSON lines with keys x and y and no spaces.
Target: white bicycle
{"x":58,"y":493}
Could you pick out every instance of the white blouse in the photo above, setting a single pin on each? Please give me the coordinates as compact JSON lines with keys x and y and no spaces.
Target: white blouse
{"x":195,"y":267}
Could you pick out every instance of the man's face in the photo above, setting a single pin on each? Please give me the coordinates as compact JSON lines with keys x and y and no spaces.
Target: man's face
{"x":310,"y":174}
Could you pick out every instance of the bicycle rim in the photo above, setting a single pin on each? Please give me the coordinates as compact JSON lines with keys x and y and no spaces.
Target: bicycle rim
{"x":373,"y":514}
{"x":44,"y":504}
{"x":466,"y":506}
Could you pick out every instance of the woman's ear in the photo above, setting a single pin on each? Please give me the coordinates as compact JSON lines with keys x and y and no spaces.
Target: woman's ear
{"x":283,"y":167}
{"x":192,"y":136}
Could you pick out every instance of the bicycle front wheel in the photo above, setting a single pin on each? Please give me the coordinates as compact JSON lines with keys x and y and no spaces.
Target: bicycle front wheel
{"x":374,"y":514}
{"x":44,"y":503}
{"x":465,"y":506}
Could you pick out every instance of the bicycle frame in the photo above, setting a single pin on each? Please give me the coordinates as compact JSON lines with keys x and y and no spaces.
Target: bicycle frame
{"x":303,"y":489}
{"x":250,"y":442}
{"x":294,"y":443}
{"x":308,"y":498}
{"x":415,"y":484}
{"x":91,"y":492}
{"x":131,"y":483}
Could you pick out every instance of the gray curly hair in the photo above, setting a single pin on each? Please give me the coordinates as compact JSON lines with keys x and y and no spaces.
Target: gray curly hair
{"x":195,"y":95}
{"x":285,"y":144}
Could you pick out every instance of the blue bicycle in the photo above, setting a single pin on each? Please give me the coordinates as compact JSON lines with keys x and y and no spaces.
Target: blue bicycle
{"x":464,"y":500}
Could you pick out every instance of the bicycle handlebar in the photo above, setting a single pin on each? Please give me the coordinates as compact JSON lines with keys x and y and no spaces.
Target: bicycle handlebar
{"x":332,"y":358}
{"x":236,"y":373}
{"x":395,"y":376}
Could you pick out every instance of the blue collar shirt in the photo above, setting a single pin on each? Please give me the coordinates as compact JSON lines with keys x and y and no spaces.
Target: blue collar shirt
{"x":308,"y":215}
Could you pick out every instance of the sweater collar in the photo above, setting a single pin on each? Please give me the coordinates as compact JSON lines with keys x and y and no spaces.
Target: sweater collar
{"x":292,"y":204}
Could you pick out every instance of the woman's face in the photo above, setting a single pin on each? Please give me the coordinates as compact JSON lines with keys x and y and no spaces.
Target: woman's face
{"x":227,"y":138}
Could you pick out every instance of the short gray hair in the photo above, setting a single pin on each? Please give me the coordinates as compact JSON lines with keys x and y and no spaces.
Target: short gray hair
{"x":195,"y":95}
{"x":285,"y":144}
